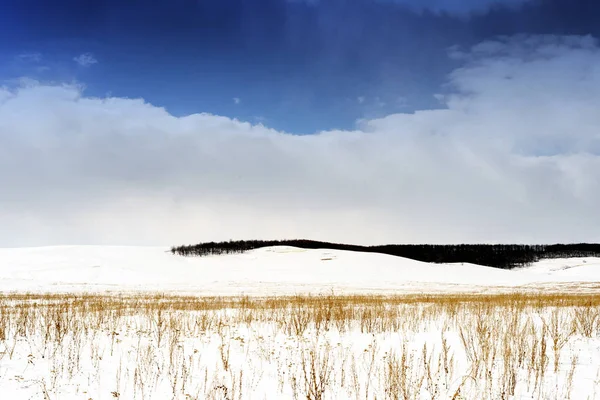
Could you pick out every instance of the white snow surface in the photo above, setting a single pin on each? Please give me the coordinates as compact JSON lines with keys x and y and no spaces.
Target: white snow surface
{"x":268,"y":271}
{"x":223,"y":354}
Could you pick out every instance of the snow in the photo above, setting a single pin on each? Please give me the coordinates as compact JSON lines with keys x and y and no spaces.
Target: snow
{"x":140,"y":353}
{"x":267,"y":271}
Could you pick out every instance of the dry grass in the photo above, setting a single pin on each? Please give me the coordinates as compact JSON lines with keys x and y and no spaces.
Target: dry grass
{"x":458,"y":346}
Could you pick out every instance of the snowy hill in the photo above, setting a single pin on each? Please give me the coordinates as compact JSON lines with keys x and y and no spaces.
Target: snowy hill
{"x":267,"y":271}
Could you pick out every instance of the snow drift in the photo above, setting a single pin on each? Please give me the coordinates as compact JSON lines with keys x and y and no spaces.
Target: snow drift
{"x":267,"y":271}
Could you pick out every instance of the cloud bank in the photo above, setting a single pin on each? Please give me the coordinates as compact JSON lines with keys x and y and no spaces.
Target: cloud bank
{"x":514,"y":156}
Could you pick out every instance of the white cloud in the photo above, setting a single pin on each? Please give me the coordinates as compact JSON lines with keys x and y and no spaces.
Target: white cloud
{"x":514,"y":157}
{"x":33,"y":57}
{"x":85,"y":59}
{"x":237,"y":100}
{"x":401,"y":102}
{"x":360,"y":99}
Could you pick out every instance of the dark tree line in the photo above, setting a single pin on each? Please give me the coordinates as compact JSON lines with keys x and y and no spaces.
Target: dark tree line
{"x":505,"y":256}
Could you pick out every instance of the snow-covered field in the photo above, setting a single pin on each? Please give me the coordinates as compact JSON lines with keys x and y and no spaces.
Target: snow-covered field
{"x":283,"y":323}
{"x":269,"y":271}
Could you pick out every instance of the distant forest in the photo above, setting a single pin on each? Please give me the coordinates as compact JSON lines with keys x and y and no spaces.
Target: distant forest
{"x":505,"y":256}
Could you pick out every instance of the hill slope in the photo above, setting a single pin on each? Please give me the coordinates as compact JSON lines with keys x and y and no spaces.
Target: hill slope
{"x":267,"y":271}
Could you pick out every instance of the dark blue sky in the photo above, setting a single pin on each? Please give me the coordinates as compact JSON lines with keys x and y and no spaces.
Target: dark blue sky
{"x":298,"y":66}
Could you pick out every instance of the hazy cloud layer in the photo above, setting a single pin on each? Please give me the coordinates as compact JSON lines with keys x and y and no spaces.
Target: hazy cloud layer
{"x":514,"y":157}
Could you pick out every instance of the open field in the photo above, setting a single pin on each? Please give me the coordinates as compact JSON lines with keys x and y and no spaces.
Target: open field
{"x":454,"y":346}
{"x":86,"y":322}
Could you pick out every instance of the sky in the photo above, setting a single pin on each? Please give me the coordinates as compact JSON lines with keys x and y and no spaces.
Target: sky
{"x":363,"y":121}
